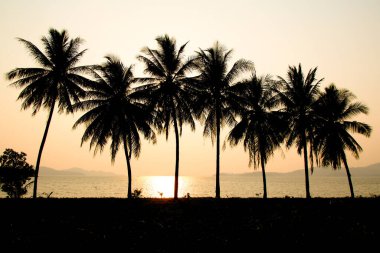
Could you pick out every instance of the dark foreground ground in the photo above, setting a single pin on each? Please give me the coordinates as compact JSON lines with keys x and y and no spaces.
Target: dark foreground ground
{"x":189,"y":225}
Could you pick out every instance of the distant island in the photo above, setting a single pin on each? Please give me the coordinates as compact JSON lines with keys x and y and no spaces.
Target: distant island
{"x":46,"y":171}
{"x":367,"y":171}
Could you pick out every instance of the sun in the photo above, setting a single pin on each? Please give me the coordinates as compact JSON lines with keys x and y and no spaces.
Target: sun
{"x":163,"y":186}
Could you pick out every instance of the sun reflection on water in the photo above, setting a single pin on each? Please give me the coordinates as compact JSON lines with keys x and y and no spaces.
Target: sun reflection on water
{"x":163,"y":186}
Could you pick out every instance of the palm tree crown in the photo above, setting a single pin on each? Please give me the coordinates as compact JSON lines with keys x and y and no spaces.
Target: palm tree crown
{"x":216,"y":100}
{"x":168,"y":89}
{"x":58,"y":80}
{"x":331,"y":136}
{"x":261,"y":128}
{"x":114,"y":112}
{"x":298,"y":94}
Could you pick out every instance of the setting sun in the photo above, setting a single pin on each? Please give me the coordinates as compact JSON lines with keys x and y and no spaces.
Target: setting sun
{"x":162,"y":186}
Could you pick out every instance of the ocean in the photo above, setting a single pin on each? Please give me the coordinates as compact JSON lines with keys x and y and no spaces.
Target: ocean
{"x":243,"y":186}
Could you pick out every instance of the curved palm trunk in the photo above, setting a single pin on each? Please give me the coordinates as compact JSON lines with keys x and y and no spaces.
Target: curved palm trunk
{"x":129,"y":168}
{"x":264,"y":178}
{"x":308,"y":196}
{"x":348,"y":176}
{"x":40,"y":151}
{"x":176,"y":156}
{"x":217,"y":187}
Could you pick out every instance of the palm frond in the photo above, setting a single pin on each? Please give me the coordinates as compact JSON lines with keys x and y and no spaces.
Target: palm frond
{"x":237,"y":69}
{"x":25,"y":73}
{"x":238,"y":132}
{"x":75,"y":58}
{"x":36,"y":53}
{"x":358,"y":127}
{"x":31,"y":77}
{"x":180,"y":52}
{"x":151,"y":67}
{"x":354,"y":109}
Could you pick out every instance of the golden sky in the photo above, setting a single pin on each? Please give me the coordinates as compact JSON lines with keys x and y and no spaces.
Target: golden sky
{"x":341,"y":37}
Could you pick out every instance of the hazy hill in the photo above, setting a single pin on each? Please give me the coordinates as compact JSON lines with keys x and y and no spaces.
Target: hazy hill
{"x":46,"y":171}
{"x":367,"y":171}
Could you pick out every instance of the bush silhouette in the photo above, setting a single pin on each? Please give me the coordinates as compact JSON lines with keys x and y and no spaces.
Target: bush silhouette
{"x":15,"y":173}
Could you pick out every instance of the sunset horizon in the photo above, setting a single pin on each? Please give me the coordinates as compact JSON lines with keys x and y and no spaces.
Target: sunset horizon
{"x":338,"y":63}
{"x":189,"y":126}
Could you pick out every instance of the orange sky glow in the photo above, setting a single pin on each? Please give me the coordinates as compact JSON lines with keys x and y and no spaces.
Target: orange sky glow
{"x":340,"y":37}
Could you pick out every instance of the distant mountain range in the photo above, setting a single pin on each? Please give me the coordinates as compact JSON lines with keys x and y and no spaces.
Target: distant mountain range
{"x":367,"y":171}
{"x":46,"y":171}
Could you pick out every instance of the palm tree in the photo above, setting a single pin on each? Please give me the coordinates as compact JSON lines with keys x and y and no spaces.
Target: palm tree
{"x":331,"y":136}
{"x":298,"y":94}
{"x":114,"y":112}
{"x":168,"y":89}
{"x":260,"y":127}
{"x":216,"y":99}
{"x":57,"y":81}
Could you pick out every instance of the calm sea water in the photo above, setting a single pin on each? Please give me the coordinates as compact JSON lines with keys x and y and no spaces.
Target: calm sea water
{"x":231,"y":186}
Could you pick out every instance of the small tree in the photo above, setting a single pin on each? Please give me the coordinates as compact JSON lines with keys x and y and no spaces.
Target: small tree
{"x":15,"y":173}
{"x":137,"y":193}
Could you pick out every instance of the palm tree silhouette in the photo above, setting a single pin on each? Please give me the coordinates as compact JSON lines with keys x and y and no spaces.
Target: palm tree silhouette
{"x":331,"y":136}
{"x":168,"y":89}
{"x":115,"y":112}
{"x":260,"y":128}
{"x":58,"y":80}
{"x":298,"y":94}
{"x":216,"y":100}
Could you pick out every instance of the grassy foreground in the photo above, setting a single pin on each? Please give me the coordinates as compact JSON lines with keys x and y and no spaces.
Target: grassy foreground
{"x":189,"y":225}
